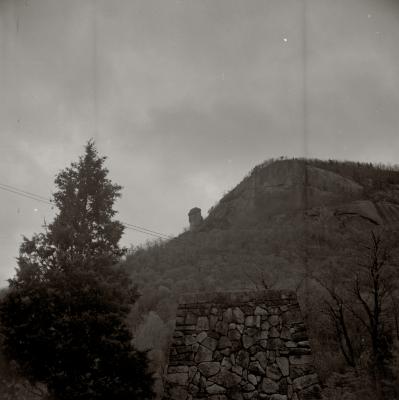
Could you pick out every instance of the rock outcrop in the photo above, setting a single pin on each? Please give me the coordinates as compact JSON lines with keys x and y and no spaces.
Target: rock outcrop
{"x":195,"y":218}
{"x":286,"y":187}
{"x":240,"y":346}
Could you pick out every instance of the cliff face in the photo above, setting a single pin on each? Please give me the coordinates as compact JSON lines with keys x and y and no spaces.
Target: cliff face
{"x":291,"y":186}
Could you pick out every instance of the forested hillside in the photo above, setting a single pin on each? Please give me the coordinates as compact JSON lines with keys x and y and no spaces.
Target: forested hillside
{"x":308,"y":225}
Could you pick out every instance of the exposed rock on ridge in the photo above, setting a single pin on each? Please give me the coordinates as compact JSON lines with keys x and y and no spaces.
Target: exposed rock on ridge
{"x":291,"y":186}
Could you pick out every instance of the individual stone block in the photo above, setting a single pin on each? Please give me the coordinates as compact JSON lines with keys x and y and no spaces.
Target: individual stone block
{"x":209,"y":368}
{"x":233,"y":359}
{"x":238,"y":315}
{"x":274,"y":320}
{"x":285,"y":333}
{"x":269,"y":386}
{"x":201,"y":336}
{"x":215,"y":389}
{"x":260,"y":311}
{"x":218,"y":356}
{"x":265,"y":325}
{"x":256,"y":368}
{"x":262,"y":358}
{"x":191,"y":372}
{"x":203,"y":354}
{"x":210,"y":343}
{"x":226,"y":378}
{"x":224,"y":342}
{"x":214,"y":311}
{"x":264,"y":334}
{"x":252,"y":379}
{"x":251,"y":395}
{"x":242,"y":358}
{"x":213,"y":319}
{"x":273,"y":372}
{"x":221,"y":327}
{"x":250,"y":321}
{"x":277,"y":396}
{"x":247,"y":341}
{"x":251,"y":331}
{"x":234,"y":334}
{"x":226,"y":351}
{"x":237,"y":369}
{"x":275,"y":344}
{"x":248,"y":387}
{"x":228,"y":315}
{"x":235,"y":395}
{"x":255,"y":349}
{"x":240,"y":328}
{"x":284,"y":365}
{"x":271,"y":356}
{"x":226,"y":363}
{"x":189,"y":340}
{"x":273,"y":332}
{"x":193,"y":389}
{"x":235,"y":345}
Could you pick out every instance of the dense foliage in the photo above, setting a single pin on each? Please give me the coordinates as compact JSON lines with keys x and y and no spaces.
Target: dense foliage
{"x":63,"y":319}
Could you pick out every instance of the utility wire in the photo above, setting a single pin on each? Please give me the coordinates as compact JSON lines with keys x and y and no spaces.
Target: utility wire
{"x":131,"y":226}
{"x":147,"y":233}
{"x":42,"y":199}
{"x":24,"y":191}
{"x":24,"y":194}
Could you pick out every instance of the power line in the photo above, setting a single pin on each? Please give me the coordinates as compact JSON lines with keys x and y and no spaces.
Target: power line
{"x":42,"y":199}
{"x":131,"y":226}
{"x":24,"y":194}
{"x":146,"y":233}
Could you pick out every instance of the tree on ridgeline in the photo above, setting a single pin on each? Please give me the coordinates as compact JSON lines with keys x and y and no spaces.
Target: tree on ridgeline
{"x":63,"y":319}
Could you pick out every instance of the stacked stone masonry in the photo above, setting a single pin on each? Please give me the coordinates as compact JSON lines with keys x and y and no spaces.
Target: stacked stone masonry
{"x":240,"y":346}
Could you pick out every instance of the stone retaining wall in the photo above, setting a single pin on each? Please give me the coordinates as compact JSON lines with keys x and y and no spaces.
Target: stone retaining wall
{"x":239,"y":346}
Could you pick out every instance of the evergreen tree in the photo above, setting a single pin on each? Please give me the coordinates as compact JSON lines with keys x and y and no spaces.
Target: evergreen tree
{"x":64,"y":318}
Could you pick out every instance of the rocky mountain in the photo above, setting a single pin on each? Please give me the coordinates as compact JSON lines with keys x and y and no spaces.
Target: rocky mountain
{"x":285,"y":216}
{"x":290,"y":224}
{"x":286,"y":187}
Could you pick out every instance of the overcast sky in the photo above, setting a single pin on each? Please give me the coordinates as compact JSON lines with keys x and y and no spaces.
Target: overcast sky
{"x":186,"y":96}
